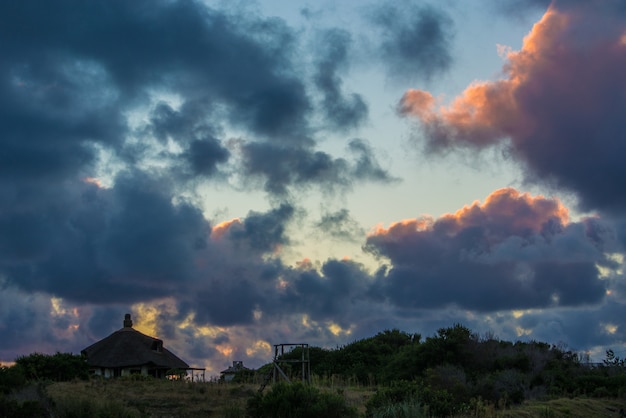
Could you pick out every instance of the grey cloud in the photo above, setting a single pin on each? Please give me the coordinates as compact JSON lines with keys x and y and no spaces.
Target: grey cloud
{"x":280,"y":167}
{"x":188,"y":126}
{"x":74,"y":74}
{"x":92,"y":244}
{"x":204,"y":155}
{"x":367,"y":166}
{"x":417,"y":40}
{"x":334,"y":293}
{"x":341,"y":111}
{"x":264,"y":231}
{"x":71,"y":70}
{"x":340,"y":225}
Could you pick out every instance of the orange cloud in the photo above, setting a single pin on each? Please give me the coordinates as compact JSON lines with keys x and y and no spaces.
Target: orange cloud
{"x":557,"y":107}
{"x":404,"y":227}
{"x":220,"y":229}
{"x":505,"y":212}
{"x":486,"y":112}
{"x":508,"y":207}
{"x":95,"y":181}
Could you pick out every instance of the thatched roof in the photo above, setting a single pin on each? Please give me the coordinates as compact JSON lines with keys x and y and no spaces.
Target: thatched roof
{"x":128,"y":347}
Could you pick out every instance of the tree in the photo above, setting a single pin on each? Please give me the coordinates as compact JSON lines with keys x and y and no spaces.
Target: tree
{"x":612,"y":360}
{"x":59,"y":367}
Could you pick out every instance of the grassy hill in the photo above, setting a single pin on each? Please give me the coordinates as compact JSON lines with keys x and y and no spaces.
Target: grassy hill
{"x":392,"y":374}
{"x":157,"y":398}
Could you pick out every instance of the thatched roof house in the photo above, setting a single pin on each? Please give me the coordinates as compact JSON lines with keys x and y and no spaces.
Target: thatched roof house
{"x":128,"y":351}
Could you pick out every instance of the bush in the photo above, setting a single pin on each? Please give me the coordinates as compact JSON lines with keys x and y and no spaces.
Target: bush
{"x":60,"y":367}
{"x":409,"y":409}
{"x":83,"y":407}
{"x":398,"y":393}
{"x":11,"y":378}
{"x":298,"y":401}
{"x":15,"y":409}
{"x":439,"y":401}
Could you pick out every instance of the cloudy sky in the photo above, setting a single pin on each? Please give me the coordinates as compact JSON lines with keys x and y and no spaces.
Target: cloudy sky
{"x":240,"y":174}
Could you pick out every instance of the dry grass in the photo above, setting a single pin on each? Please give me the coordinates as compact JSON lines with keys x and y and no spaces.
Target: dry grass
{"x":155,"y":398}
{"x":161,"y":398}
{"x":573,"y":408}
{"x":557,"y":408}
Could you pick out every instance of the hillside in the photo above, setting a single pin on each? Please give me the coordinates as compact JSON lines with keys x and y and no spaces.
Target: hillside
{"x":452,"y":373}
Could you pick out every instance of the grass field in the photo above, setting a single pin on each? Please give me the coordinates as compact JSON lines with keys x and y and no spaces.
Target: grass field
{"x":161,"y":398}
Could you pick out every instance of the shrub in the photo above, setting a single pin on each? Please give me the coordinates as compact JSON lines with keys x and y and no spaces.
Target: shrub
{"x":409,"y":409}
{"x":399,"y":392}
{"x":11,"y":378}
{"x":298,"y":401}
{"x":15,"y":409}
{"x":83,"y":407}
{"x":440,"y":402}
{"x":60,"y":367}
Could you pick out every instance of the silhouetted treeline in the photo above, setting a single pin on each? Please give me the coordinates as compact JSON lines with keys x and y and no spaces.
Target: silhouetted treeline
{"x":29,"y":374}
{"x":456,"y":367}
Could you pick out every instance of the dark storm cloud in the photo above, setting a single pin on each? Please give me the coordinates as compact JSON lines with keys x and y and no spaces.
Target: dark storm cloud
{"x":264,"y":231}
{"x":237,"y":272}
{"x":132,"y":243}
{"x":51,"y":117}
{"x":101,"y":245}
{"x":416,"y":40}
{"x":148,"y":238}
{"x":340,"y":111}
{"x":279,"y":167}
{"x":140,"y":84}
{"x":512,"y":252}
{"x":329,"y":294}
{"x":188,"y":127}
{"x":104,"y":320}
{"x":72,"y":71}
{"x":76,"y":77}
{"x":561,"y":105}
{"x":178,"y":45}
{"x":203,"y":156}
{"x":31,"y":323}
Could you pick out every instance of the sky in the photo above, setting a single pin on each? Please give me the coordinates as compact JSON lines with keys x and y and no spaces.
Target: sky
{"x":242,"y":174}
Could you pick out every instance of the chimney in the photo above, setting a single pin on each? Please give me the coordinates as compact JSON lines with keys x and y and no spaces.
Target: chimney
{"x":128,"y":323}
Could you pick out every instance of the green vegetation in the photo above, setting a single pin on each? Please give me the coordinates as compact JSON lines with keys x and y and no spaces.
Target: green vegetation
{"x":454,"y":370}
{"x":298,"y":400}
{"x":392,"y":374}
{"x":59,"y":367}
{"x":22,"y":386}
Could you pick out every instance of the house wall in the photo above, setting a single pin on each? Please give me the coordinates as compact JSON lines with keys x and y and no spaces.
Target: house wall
{"x":107,"y":373}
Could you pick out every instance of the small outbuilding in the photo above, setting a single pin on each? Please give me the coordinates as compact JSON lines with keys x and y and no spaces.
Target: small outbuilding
{"x":128,"y":351}
{"x":233,"y":371}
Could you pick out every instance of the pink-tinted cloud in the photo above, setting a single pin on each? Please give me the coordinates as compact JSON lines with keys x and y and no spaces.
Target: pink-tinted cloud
{"x":512,"y":251}
{"x":560,"y":105}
